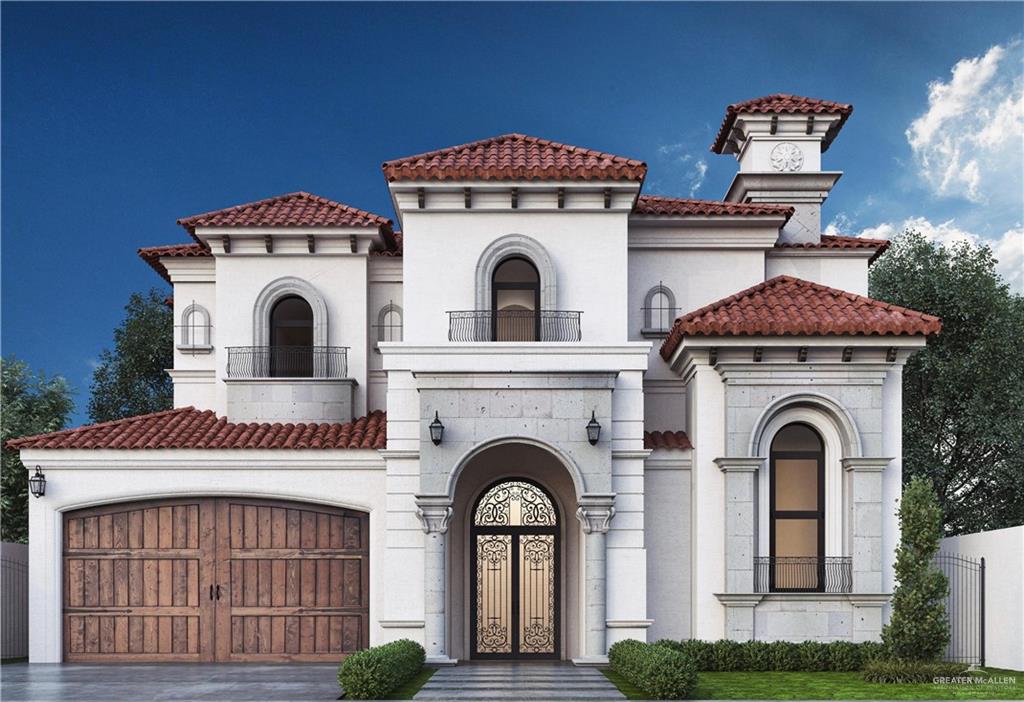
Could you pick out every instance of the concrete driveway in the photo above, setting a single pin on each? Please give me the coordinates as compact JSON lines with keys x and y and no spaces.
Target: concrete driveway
{"x":22,"y":682}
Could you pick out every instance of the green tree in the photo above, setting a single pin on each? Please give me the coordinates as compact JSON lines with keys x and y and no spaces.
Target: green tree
{"x":963,"y":396}
{"x":32,"y":404}
{"x":131,"y":379}
{"x":919,"y":628}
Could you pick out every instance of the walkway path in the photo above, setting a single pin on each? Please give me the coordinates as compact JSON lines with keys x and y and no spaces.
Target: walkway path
{"x":533,"y":681}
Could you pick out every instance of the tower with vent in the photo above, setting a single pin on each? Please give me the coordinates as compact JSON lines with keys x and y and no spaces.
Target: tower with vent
{"x":779,"y":140}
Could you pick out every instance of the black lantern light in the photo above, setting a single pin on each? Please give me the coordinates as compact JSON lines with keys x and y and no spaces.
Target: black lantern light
{"x":436,"y":430}
{"x":593,"y":430}
{"x":37,"y":483}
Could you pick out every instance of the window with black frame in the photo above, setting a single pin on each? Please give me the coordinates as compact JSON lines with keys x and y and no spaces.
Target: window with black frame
{"x":290,"y":354}
{"x":797,"y":510}
{"x":515,"y":301}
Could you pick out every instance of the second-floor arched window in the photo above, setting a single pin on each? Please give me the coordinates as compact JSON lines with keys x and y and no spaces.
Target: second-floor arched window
{"x":291,"y":338}
{"x":515,"y":301}
{"x":659,"y":311}
{"x":797,"y":509}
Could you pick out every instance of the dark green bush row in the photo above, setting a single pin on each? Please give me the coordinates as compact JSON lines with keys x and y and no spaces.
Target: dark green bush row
{"x":372,"y":673}
{"x":898,"y":671}
{"x":726,"y":656}
{"x":659,"y":671}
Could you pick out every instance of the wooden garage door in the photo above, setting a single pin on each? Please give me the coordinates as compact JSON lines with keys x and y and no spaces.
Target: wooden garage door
{"x":215,"y":579}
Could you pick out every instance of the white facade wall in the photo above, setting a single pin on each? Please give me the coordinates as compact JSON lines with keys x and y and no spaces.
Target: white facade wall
{"x":1003,"y":551}
{"x":844,"y":272}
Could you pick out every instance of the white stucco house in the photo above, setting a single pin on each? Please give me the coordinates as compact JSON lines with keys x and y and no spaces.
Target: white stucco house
{"x":546,"y":412}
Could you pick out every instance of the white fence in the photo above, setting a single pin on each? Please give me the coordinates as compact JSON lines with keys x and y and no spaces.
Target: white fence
{"x":13,"y":601}
{"x":1003,"y":551}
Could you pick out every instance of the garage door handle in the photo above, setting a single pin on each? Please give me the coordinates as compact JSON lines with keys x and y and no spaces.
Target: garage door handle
{"x":218,"y":592}
{"x":211,"y":592}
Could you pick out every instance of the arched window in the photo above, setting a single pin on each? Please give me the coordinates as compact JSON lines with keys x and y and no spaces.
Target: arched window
{"x":389,"y":323}
{"x":515,"y":301}
{"x":797,"y":509}
{"x":291,"y":338}
{"x":195,"y":328}
{"x":659,"y":311}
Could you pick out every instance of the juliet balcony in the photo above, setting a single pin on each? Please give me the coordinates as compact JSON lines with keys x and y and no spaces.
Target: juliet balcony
{"x":288,"y":384}
{"x":803,"y":574}
{"x":518,"y":325}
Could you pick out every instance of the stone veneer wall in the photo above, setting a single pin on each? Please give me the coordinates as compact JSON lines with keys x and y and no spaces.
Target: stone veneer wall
{"x":290,"y":400}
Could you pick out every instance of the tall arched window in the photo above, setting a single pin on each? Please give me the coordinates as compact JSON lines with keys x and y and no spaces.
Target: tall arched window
{"x":195,"y":328}
{"x":515,"y":301}
{"x":389,"y":323}
{"x":797,"y":509}
{"x":291,"y":338}
{"x":659,"y":311}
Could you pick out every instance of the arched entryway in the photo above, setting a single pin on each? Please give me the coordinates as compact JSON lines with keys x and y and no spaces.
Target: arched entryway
{"x":498,"y":478}
{"x":514,"y":572}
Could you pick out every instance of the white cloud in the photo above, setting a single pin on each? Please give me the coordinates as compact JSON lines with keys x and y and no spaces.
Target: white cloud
{"x":682,"y":164}
{"x":970,"y":140}
{"x":1008,"y":249}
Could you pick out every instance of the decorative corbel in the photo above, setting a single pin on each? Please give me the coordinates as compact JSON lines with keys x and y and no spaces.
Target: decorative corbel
{"x":311,"y":243}
{"x":226,"y":243}
{"x":353,"y":244}
{"x":595,"y":512}
{"x":268,"y":242}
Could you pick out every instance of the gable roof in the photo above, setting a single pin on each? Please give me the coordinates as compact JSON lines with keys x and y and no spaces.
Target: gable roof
{"x":782,"y":103}
{"x":786,"y":306}
{"x":299,"y":209}
{"x":658,"y":205}
{"x":834,"y":241}
{"x":190,"y":428}
{"x":153,"y":254}
{"x":514,"y":157}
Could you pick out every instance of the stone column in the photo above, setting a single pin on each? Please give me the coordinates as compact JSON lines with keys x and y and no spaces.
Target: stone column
{"x":435,"y":511}
{"x":866,"y":521}
{"x":740,"y":520}
{"x":595,"y":512}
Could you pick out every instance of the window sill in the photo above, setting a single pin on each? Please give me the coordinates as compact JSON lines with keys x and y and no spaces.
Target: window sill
{"x":195,"y":348}
{"x":654,"y":333}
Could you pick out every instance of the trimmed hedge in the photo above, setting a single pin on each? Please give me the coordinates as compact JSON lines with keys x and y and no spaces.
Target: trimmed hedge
{"x":659,"y":671}
{"x":899,"y":671}
{"x":782,"y":656}
{"x":374,"y":672}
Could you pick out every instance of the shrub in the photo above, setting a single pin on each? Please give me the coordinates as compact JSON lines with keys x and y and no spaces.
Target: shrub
{"x":660,"y":671}
{"x":813,"y":656}
{"x":785,"y":656}
{"x":844,"y":656}
{"x":758,"y":655}
{"x":372,"y":673}
{"x":728,"y":655}
{"x":699,"y":652}
{"x":903,"y":671}
{"x":919,"y":628}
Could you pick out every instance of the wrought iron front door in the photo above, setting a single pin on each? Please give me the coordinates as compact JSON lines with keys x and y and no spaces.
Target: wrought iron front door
{"x":515,"y":585}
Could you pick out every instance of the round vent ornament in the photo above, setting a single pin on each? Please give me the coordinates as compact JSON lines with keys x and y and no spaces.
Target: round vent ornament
{"x":787,"y":157}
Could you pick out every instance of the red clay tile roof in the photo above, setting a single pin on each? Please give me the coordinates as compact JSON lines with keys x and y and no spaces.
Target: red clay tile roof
{"x":658,"y":205}
{"x":785,"y":104}
{"x":786,"y":306}
{"x":152,"y":255}
{"x":514,"y":157}
{"x":291,"y":210}
{"x":395,"y":252}
{"x":666,"y":440}
{"x":190,"y":428}
{"x":831,"y":241}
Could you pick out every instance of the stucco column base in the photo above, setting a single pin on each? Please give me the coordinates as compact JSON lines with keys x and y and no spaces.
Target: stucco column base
{"x":434,"y":512}
{"x":739,"y":615}
{"x":867,"y":616}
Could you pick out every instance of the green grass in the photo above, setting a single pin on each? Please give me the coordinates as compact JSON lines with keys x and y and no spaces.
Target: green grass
{"x":631,"y":691}
{"x":844,"y":686}
{"x":829,"y":686}
{"x":409,"y":689}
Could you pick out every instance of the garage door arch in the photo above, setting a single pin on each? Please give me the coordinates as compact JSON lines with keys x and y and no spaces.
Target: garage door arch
{"x":215,"y":579}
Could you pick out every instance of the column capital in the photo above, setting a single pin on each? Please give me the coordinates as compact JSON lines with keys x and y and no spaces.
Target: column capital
{"x":866,"y":464}
{"x":740,"y":464}
{"x":595,"y":512}
{"x":434,"y":511}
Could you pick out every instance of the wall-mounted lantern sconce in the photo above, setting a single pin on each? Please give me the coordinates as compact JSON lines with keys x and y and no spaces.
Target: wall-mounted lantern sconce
{"x":593,"y":429}
{"x":436,"y":430}
{"x":37,"y":483}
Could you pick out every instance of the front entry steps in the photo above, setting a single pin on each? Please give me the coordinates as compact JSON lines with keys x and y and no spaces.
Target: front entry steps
{"x":535,"y":681}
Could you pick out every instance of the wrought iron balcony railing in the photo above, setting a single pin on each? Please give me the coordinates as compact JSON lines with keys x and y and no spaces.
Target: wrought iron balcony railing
{"x":803,"y":574}
{"x":514,"y":325}
{"x":287,"y":362}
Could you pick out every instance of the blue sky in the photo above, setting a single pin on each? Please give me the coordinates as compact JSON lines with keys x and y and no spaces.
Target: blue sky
{"x":119,"y":118}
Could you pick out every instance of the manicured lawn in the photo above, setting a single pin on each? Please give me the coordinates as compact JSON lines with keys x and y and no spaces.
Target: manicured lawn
{"x":844,"y":686}
{"x":831,"y":686}
{"x":409,"y":689}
